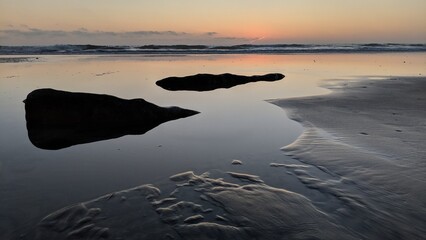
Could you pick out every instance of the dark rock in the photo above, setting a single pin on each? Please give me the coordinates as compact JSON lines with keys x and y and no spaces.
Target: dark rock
{"x":209,"y":82}
{"x":59,"y":119}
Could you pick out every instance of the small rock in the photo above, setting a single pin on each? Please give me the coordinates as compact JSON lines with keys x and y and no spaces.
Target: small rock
{"x":237,"y":162}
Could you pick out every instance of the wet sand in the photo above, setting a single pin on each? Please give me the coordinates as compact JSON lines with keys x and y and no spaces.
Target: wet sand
{"x":200,"y":207}
{"x":371,"y":137}
{"x":367,"y":137}
{"x":269,"y":196}
{"x":18,"y":59}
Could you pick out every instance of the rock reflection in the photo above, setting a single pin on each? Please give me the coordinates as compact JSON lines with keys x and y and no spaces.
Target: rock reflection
{"x":209,"y":82}
{"x":59,"y":119}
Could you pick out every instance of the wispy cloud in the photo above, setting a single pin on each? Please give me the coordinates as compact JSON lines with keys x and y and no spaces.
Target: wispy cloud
{"x":24,"y":35}
{"x":34,"y":32}
{"x":211,"y":33}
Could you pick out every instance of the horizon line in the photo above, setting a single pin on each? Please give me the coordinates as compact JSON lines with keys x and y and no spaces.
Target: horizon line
{"x":215,"y":45}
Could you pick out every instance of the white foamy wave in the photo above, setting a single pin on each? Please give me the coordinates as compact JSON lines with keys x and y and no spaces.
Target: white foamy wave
{"x":204,"y":49}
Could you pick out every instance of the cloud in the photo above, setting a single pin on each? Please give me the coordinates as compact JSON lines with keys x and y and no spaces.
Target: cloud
{"x":211,"y":33}
{"x":33,"y":32}
{"x":155,"y":33}
{"x":234,"y":39}
{"x":34,"y":36}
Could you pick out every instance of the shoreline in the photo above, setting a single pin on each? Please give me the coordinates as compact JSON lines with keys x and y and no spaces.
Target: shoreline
{"x":370,"y":136}
{"x":14,"y":59}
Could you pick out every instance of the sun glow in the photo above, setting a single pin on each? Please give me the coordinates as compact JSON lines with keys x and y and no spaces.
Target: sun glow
{"x":232,"y":22}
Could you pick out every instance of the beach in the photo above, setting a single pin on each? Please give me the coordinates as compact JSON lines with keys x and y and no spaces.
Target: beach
{"x":213,"y":120}
{"x":368,"y":138}
{"x":350,"y":167}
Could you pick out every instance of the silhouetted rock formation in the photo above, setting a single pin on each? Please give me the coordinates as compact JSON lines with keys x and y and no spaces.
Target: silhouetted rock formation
{"x":209,"y":82}
{"x":59,"y":119}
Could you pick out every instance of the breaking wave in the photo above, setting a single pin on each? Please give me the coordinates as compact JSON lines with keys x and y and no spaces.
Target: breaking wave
{"x":204,"y":49}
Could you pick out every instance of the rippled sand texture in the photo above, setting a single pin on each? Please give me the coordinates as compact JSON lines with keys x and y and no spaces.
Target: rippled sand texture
{"x":370,"y":137}
{"x":201,"y":207}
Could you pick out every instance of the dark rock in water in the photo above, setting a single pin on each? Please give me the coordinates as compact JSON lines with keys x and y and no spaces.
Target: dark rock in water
{"x":209,"y":82}
{"x":59,"y":119}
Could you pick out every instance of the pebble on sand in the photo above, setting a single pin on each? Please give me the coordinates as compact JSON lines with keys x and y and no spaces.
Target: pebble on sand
{"x":236,"y":162}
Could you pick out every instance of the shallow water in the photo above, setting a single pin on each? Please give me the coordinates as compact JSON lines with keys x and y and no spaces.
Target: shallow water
{"x":234,"y":123}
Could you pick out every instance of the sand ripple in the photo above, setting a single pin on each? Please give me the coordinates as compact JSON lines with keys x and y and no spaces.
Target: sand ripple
{"x":201,"y":207}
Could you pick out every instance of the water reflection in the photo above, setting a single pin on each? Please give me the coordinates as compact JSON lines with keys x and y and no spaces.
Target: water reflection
{"x":59,"y":119}
{"x":209,"y":82}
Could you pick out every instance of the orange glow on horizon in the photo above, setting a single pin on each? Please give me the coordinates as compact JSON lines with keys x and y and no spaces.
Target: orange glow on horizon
{"x":301,"y":21}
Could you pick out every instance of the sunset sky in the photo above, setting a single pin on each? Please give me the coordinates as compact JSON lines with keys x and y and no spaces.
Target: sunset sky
{"x":138,"y":22}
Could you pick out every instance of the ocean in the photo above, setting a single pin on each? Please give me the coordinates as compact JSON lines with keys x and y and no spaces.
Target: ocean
{"x":204,"y":49}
